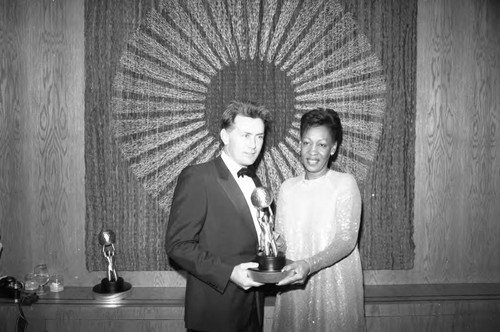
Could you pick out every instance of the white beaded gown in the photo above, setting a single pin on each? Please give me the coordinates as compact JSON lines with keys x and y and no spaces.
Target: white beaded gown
{"x":319,"y":220}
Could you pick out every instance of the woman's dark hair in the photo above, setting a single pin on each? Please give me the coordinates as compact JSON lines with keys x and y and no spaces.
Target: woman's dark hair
{"x":247,"y":109}
{"x":323,"y":117}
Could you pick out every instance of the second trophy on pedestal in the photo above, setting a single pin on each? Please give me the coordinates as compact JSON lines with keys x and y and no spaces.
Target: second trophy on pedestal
{"x":111,"y":288}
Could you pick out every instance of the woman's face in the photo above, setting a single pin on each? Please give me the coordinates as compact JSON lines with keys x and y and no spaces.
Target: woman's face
{"x":316,"y":147}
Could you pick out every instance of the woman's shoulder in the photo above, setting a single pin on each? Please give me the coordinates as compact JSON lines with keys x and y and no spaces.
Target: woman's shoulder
{"x":342,"y":175}
{"x":341,"y":178}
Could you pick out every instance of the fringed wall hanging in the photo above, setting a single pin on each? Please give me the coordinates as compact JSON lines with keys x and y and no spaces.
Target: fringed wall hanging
{"x":159,"y":75}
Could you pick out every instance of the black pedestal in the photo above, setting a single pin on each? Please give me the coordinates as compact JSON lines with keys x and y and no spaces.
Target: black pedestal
{"x":269,"y":270}
{"x":111,"y":290}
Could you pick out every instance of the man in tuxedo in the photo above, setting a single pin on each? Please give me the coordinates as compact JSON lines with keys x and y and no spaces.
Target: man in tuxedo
{"x":213,"y":231}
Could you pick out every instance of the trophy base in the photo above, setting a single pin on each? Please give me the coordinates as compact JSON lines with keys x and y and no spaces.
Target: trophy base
{"x":111,"y":291}
{"x":269,"y":270}
{"x":268,"y":277}
{"x":271,"y":263}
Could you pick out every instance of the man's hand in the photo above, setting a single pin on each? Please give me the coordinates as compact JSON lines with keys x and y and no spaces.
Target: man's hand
{"x":300,"y":271}
{"x":240,"y":275}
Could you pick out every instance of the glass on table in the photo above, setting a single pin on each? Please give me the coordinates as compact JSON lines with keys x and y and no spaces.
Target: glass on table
{"x":41,"y":273}
{"x":56,"y":283}
{"x":30,"y":282}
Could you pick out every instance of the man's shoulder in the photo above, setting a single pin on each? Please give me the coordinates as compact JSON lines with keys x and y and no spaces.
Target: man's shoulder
{"x":200,"y":168}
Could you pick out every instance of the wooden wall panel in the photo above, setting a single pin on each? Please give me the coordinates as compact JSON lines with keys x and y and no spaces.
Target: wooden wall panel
{"x":483,"y":323}
{"x":129,"y":325}
{"x":457,"y":171}
{"x":457,"y":177}
{"x":445,"y":307}
{"x":43,"y":219}
{"x":14,"y":145}
{"x":52,"y":119}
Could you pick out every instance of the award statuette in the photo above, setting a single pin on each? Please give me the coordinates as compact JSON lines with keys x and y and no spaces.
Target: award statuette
{"x":270,"y":259}
{"x":111,"y":288}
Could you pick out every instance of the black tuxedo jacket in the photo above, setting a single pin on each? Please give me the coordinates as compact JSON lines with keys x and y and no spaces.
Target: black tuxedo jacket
{"x":211,"y":230}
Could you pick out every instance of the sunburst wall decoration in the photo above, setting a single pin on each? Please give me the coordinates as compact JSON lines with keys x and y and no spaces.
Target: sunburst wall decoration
{"x":175,"y":68}
{"x":190,"y":59}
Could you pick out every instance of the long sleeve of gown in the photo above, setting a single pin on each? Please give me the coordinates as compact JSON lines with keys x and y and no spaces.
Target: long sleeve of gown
{"x":348,"y":207}
{"x":278,"y":222}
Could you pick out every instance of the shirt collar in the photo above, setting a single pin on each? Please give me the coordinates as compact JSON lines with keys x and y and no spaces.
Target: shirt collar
{"x":231,"y":164}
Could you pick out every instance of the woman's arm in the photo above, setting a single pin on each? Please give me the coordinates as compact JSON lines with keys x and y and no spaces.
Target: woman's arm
{"x":348,"y":207}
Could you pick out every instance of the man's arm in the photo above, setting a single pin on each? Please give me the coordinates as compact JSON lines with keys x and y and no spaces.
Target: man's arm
{"x":187,"y":218}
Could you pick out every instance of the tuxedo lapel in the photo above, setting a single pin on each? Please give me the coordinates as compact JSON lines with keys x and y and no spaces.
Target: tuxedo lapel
{"x":234,"y":194}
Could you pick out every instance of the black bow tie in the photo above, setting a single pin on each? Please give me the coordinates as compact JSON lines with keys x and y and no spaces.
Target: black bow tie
{"x":248,"y":171}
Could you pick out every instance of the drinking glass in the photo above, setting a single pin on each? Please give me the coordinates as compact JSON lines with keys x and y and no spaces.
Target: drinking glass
{"x":42,"y":277}
{"x":30,"y":283}
{"x":56,"y":283}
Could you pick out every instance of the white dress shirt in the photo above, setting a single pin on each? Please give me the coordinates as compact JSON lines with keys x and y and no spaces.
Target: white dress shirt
{"x":246,"y":185}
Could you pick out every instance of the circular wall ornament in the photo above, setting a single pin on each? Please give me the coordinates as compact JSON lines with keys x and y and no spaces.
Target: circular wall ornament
{"x":189,"y":59}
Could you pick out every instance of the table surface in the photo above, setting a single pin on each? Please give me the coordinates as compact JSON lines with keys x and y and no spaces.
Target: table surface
{"x":174,"y":296}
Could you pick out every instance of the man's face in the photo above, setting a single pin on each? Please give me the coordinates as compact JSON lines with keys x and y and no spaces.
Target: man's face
{"x":243,"y":141}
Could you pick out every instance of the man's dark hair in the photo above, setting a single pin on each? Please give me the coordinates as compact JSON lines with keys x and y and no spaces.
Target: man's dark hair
{"x":247,"y":109}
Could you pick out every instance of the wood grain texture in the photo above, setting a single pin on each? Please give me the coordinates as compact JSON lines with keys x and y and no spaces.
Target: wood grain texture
{"x":14,"y":143}
{"x":440,"y":307}
{"x":458,"y":79}
{"x":42,"y":137}
{"x":466,"y":323}
{"x":49,"y":49}
{"x":457,"y":166}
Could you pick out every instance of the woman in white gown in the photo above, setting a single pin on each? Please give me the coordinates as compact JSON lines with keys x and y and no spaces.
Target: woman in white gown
{"x":318,"y":213}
